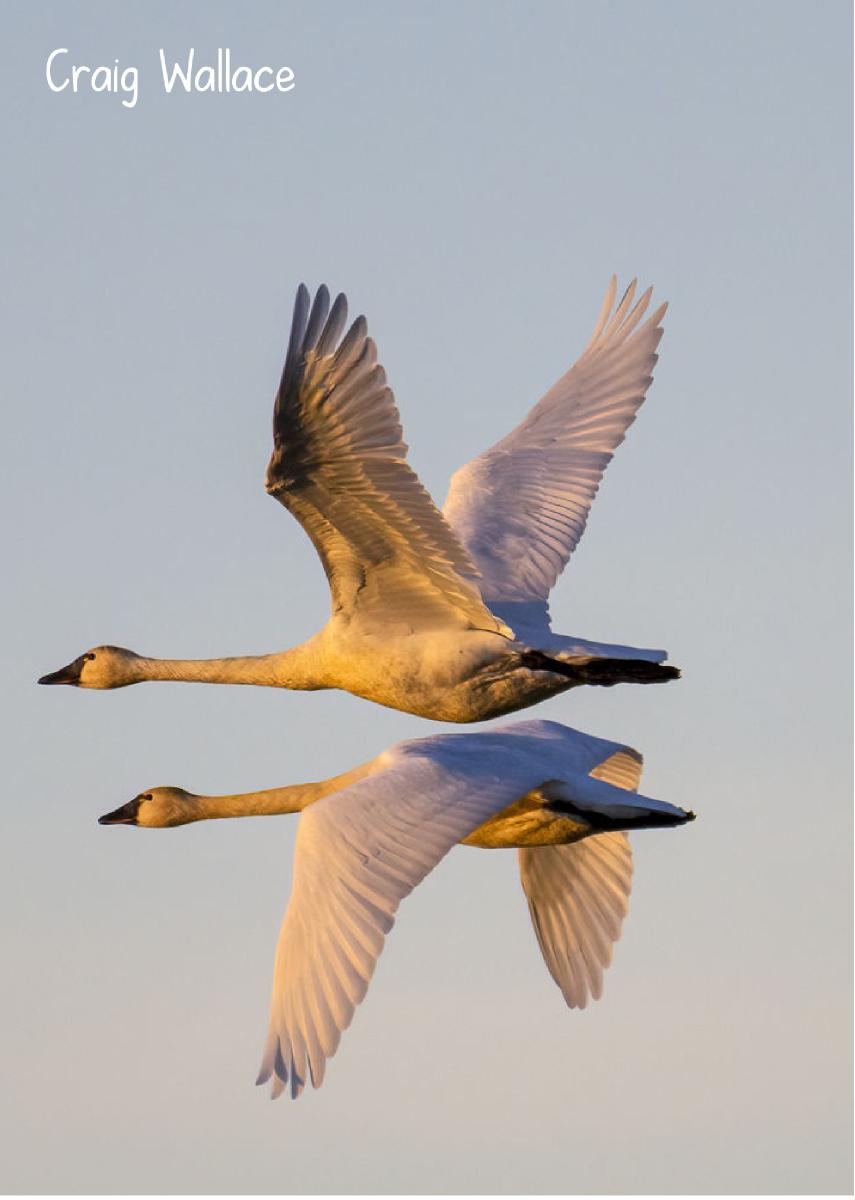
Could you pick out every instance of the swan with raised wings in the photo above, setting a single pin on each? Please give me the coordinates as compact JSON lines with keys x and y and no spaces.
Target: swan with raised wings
{"x":440,"y":614}
{"x":368,"y":837}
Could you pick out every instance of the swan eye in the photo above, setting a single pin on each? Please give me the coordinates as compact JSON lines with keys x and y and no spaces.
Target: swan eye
{"x":146,"y":796}
{"x":88,"y":657}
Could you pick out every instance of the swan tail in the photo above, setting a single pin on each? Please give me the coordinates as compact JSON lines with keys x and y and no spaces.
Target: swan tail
{"x":607,"y":808}
{"x":600,"y":672}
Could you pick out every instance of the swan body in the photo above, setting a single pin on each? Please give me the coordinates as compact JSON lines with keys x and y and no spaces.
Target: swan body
{"x":440,"y":614}
{"x":367,"y":837}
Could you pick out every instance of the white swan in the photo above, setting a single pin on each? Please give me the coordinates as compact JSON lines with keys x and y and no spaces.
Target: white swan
{"x":441,"y":615}
{"x":371,"y":835}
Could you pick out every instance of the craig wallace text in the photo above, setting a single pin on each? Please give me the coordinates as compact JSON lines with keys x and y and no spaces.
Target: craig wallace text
{"x":212,"y":74}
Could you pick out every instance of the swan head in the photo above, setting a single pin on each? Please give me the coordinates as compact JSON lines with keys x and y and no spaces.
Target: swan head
{"x":102,"y":667}
{"x":157,"y":808}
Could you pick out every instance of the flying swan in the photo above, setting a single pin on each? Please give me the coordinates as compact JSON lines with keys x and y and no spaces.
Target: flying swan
{"x":368,"y":837}
{"x":440,"y":614}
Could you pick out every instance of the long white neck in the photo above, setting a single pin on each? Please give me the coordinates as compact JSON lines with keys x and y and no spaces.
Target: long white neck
{"x":297,"y":668}
{"x":269,"y":803}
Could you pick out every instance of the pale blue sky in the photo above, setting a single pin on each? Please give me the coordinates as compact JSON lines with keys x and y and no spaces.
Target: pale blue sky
{"x":470,"y":173}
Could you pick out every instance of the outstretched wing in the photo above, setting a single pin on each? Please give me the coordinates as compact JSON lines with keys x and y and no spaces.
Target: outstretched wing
{"x":339,"y":465}
{"x":578,"y":895}
{"x":358,"y":854}
{"x":521,"y":507}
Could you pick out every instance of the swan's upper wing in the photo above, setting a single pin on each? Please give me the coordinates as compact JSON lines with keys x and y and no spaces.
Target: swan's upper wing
{"x":359,"y":852}
{"x":521,"y":507}
{"x":578,"y":895}
{"x":339,"y":465}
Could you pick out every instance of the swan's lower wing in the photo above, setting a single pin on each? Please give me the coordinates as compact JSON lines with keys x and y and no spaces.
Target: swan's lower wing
{"x":521,"y":507}
{"x":358,"y":854}
{"x":578,"y":895}
{"x":339,"y":465}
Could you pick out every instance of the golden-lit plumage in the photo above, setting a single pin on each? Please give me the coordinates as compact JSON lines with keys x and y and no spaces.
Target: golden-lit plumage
{"x":368,"y":837}
{"x":440,"y":614}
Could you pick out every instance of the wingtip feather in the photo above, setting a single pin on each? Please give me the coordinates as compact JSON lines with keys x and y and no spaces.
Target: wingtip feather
{"x":605,"y":310}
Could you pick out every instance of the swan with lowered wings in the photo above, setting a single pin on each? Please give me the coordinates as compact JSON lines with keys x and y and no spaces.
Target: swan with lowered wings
{"x":367,"y":837}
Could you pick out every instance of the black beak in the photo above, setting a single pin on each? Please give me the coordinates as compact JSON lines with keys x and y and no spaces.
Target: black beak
{"x":69,"y":674}
{"x":126,"y":815}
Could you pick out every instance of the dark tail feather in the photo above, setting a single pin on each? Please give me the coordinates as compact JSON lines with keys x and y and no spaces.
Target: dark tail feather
{"x":646,"y":819}
{"x":605,"y":807}
{"x":601,"y":672}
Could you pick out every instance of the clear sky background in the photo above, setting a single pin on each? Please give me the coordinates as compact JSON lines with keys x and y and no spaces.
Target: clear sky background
{"x":471,"y":174}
